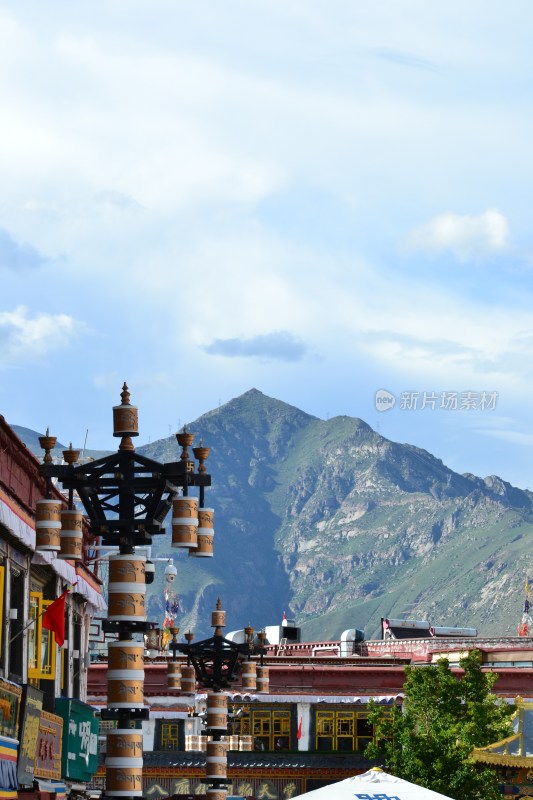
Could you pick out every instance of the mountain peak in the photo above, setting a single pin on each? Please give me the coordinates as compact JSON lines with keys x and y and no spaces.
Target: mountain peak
{"x":256,"y":403}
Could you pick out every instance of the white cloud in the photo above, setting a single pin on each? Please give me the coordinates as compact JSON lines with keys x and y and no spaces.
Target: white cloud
{"x":468,"y":237}
{"x":24,"y":338}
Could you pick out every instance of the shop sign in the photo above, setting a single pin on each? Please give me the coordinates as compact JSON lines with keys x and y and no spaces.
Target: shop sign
{"x":48,"y":759}
{"x":79,"y":759}
{"x":10,"y":696}
{"x":32,"y":706}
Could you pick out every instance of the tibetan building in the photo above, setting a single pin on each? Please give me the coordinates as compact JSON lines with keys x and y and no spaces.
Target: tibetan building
{"x":310,"y":728}
{"x":48,"y":733}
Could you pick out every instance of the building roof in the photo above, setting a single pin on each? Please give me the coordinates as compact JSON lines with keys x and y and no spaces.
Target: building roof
{"x":516,"y":750}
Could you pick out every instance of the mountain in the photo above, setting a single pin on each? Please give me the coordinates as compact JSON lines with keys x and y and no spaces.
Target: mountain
{"x":31,"y":440}
{"x":338,"y":526}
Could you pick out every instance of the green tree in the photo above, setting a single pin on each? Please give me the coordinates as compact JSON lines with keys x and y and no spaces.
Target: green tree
{"x":430,"y":740}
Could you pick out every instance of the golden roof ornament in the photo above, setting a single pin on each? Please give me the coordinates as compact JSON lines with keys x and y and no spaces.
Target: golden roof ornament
{"x":201,"y":453}
{"x":185,"y":440}
{"x":70,"y":456}
{"x":47,"y":443}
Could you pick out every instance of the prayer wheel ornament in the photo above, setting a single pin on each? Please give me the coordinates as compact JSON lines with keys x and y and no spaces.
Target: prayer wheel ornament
{"x":174,"y":675}
{"x":125,"y":420}
{"x":127,"y":588}
{"x":263,"y":685}
{"x":218,"y":617}
{"x":185,"y":522}
{"x":205,"y":534}
{"x":218,"y":663}
{"x":249,"y":676}
{"x":126,"y":497}
{"x":48,"y":525}
{"x":71,"y":537}
{"x":188,"y":680}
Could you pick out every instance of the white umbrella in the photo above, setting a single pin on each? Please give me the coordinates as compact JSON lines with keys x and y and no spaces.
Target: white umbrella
{"x":374,"y":785}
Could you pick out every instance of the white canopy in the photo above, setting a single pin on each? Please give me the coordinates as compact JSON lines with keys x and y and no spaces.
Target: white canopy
{"x":374,"y":785}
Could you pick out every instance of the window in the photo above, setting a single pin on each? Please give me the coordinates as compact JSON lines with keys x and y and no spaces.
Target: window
{"x":41,"y":642}
{"x":77,"y":648}
{"x":16,"y":587}
{"x":342,"y":730}
{"x":169,"y":736}
{"x":270,"y":728}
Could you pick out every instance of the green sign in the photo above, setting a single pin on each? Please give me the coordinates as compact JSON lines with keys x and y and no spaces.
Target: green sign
{"x":79,"y":758}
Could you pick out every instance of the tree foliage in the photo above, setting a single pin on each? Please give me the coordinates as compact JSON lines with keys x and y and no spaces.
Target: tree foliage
{"x":430,"y":740}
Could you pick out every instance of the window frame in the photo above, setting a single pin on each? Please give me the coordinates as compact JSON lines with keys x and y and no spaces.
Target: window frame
{"x":36,"y":639}
{"x":340,"y":726}
{"x":265,"y":723}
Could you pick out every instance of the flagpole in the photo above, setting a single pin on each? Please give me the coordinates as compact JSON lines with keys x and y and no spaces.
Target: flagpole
{"x":30,"y":623}
{"x":43,"y":612}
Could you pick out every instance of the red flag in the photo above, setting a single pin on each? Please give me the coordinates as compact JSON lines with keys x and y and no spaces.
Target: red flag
{"x":299,"y":734}
{"x":54,"y":618}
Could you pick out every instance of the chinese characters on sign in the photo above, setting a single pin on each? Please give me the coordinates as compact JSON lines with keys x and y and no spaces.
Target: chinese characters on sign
{"x":437,"y":401}
{"x":80,"y":739}
{"x":48,"y":759}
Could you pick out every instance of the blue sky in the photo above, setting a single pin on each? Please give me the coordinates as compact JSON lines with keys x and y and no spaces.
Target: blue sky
{"x":316,"y":200}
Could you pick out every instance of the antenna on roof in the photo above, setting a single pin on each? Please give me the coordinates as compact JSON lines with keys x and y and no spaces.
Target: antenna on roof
{"x":85,"y":442}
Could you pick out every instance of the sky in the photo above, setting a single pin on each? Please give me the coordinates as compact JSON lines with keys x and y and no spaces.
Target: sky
{"x":319,"y":200}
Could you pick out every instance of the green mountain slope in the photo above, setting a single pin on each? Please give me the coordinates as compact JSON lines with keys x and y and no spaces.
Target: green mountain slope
{"x":339,"y":526}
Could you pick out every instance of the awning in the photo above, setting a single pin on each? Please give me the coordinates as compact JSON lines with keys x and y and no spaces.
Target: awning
{"x":15,"y":524}
{"x":58,"y":787}
{"x":373,"y":784}
{"x":96,"y":602}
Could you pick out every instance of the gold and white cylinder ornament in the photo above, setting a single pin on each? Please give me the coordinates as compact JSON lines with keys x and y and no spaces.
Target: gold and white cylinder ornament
{"x":184,"y":535}
{"x":217,"y":711}
{"x":124,"y":743}
{"x":205,"y":544}
{"x":263,"y":684}
{"x":248,"y":675}
{"x":206,"y":520}
{"x":127,"y":569}
{"x":185,"y":522}
{"x":71,"y":536}
{"x":48,"y":525}
{"x":188,"y":680}
{"x":174,"y":675}
{"x":216,"y":761}
{"x":125,"y":689}
{"x":246,"y":742}
{"x":186,"y":507}
{"x":205,"y":534}
{"x":127,"y":588}
{"x":218,"y":618}
{"x":217,"y":794}
{"x":233,"y":742}
{"x":125,"y":655}
{"x":124,"y":781}
{"x":126,"y":602}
